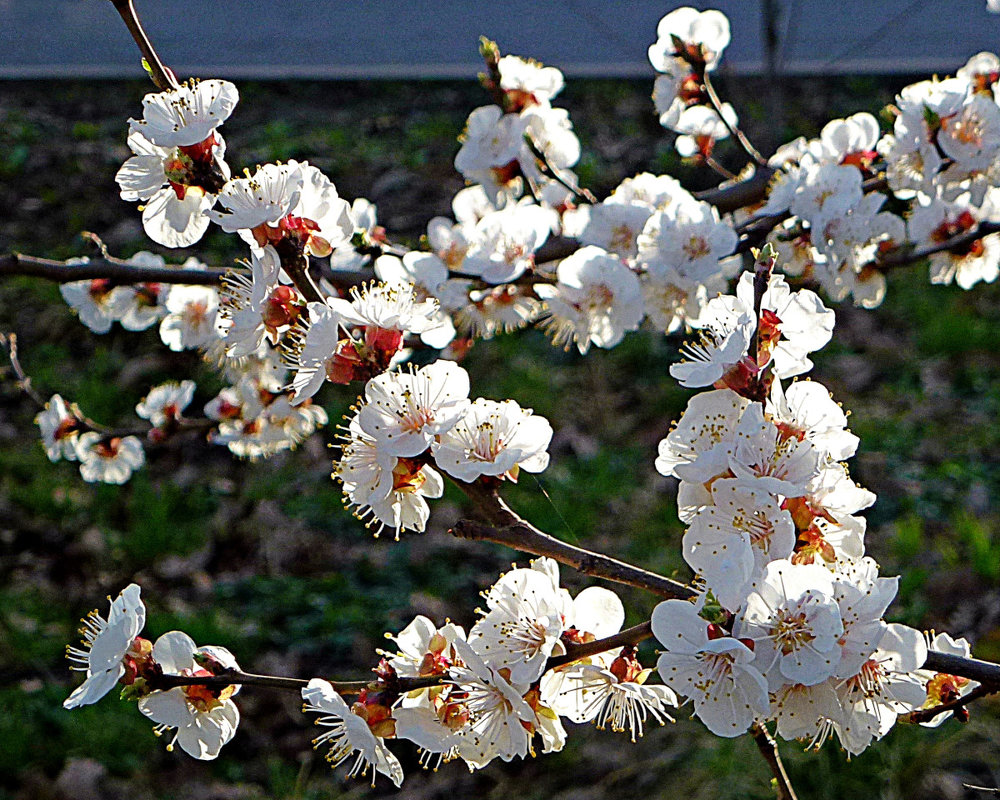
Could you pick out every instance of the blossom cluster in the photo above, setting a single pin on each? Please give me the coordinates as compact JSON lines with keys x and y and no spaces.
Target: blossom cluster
{"x":491,"y":693}
{"x":789,"y":624}
{"x":412,"y":423}
{"x":202,"y":717}
{"x":479,"y":695}
{"x":649,"y":251}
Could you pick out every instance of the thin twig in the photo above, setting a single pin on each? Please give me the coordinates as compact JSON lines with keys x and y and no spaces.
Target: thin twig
{"x":574,"y":652}
{"x":734,"y":130}
{"x":504,"y":526}
{"x":633,"y":635}
{"x":721,"y":170}
{"x":584,"y":195}
{"x":769,"y":749}
{"x":9,"y":342}
{"x":160,"y":75}
{"x":238,"y":677}
{"x":981,"y":671}
{"x":904,"y":257}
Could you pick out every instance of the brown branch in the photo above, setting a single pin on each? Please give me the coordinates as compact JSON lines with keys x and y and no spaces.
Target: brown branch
{"x":583,"y":195}
{"x":733,"y":196}
{"x":734,"y":130}
{"x":768,"y":748}
{"x":504,"y":526}
{"x":927,"y":714}
{"x":111,"y":268}
{"x":762,"y":269}
{"x":574,"y":652}
{"x":296,"y":266}
{"x":980,"y":671}
{"x":9,"y":342}
{"x":160,"y":75}
{"x":904,"y":257}
{"x":233,"y":677}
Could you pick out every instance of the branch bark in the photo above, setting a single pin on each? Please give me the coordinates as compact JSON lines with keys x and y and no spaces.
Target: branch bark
{"x":768,"y":748}
{"x":504,"y":526}
{"x":113,"y":269}
{"x":160,"y":75}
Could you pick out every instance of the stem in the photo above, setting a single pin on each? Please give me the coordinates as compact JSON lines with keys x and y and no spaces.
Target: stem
{"x":9,"y":342}
{"x":734,"y":130}
{"x":927,"y":714}
{"x":505,"y":527}
{"x":161,"y":76}
{"x":632,"y":635}
{"x":769,"y":749}
{"x":904,"y":257}
{"x":738,"y":195}
{"x":296,"y":266}
{"x":582,"y":195}
{"x":981,"y":671}
{"x":721,"y":170}
{"x":112,"y":268}
{"x":231,"y":677}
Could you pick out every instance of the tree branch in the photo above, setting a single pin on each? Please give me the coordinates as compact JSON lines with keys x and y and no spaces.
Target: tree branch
{"x":235,"y":676}
{"x":111,"y":268}
{"x":9,"y":342}
{"x":927,"y":714}
{"x":982,"y":671}
{"x":575,"y":652}
{"x":734,"y":130}
{"x":904,"y":257}
{"x":160,"y":75}
{"x":505,"y":527}
{"x":768,"y":748}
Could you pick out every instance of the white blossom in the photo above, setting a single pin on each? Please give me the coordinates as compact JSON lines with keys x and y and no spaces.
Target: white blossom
{"x":492,"y":438}
{"x":106,"y":643}
{"x":205,"y":719}
{"x":349,"y":735}
{"x":186,"y":115}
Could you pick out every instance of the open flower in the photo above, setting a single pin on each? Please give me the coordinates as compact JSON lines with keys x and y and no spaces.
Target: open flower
{"x":186,"y":115}
{"x":107,"y":644}
{"x":795,"y":622}
{"x":712,"y":669}
{"x":59,"y":429}
{"x":384,"y":490}
{"x":500,"y":722}
{"x":494,"y":439}
{"x":108,"y":459}
{"x":165,"y":402}
{"x":204,"y":718}
{"x":348,"y":734}
{"x":406,"y":410}
{"x":596,"y":300}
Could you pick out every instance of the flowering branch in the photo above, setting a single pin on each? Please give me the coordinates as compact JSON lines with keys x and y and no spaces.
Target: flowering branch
{"x":904,"y":257}
{"x":160,"y":75}
{"x":733,"y":196}
{"x":574,"y":652}
{"x":927,"y":714}
{"x":506,"y":527}
{"x":769,"y":750}
{"x":112,"y":268}
{"x":229,"y":677}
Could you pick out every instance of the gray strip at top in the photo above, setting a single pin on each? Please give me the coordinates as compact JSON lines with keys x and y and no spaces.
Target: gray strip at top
{"x":438,"y":38}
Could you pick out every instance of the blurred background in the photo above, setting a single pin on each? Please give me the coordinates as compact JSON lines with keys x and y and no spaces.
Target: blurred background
{"x":261,"y":557}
